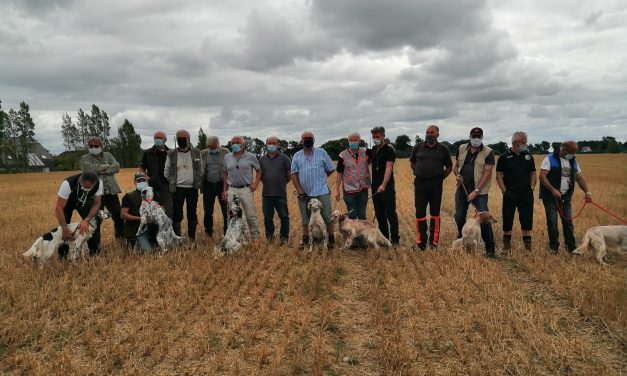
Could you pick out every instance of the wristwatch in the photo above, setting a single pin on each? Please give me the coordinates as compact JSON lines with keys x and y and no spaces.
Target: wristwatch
{"x":589,"y":194}
{"x":477,"y":190}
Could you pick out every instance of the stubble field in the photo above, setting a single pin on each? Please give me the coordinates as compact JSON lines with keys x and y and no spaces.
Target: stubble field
{"x":272,"y":310}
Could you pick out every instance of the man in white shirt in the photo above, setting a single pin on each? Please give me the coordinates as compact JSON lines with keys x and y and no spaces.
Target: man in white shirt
{"x":558,"y":174}
{"x":83,"y":193}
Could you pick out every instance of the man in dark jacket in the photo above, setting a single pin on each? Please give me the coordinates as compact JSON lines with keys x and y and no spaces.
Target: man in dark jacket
{"x":131,"y":202}
{"x":558,"y":174}
{"x":153,"y":164}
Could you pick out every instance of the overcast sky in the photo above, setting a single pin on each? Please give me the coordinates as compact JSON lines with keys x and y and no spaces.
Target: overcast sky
{"x":555,"y":69}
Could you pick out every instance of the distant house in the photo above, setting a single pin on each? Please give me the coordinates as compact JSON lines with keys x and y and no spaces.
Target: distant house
{"x":39,"y":160}
{"x":585,"y":149}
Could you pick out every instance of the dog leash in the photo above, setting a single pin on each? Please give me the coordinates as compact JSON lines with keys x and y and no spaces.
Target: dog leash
{"x":560,"y":210}
{"x":460,"y":183}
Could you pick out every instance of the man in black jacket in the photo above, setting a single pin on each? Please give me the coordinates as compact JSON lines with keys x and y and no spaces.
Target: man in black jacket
{"x":153,"y":164}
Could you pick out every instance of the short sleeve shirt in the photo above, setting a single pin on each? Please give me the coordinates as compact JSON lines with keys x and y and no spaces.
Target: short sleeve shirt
{"x":275,"y":174}
{"x":380,"y":156}
{"x":565,"y":182}
{"x":516,"y":170}
{"x":240,"y":170}
{"x":65,"y":191}
{"x":312,"y":171}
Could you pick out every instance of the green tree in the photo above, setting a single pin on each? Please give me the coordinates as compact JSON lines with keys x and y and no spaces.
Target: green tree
{"x":70,"y":133}
{"x":545,"y":146}
{"x":126,"y":147}
{"x":82,"y":124}
{"x":499,"y":148}
{"x":335,"y":147}
{"x":25,"y":128}
{"x":258,"y":146}
{"x":202,"y":140}
{"x":98,"y":125}
{"x":612,"y":145}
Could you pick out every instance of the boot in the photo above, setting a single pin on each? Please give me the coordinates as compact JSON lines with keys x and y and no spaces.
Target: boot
{"x":421,"y":233}
{"x":507,"y":244}
{"x":176,"y":226}
{"x":527,"y":242}
{"x":191,"y":231}
{"x":434,"y":231}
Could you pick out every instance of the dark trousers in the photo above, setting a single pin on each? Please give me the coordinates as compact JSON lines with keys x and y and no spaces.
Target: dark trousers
{"x":385,"y":212}
{"x":93,"y":243}
{"x":188,"y":196}
{"x":461,"y":210}
{"x":356,"y":203}
{"x":550,"y":207}
{"x":210,"y":193}
{"x":112,"y":203}
{"x":427,"y":192}
{"x":269,"y":205}
{"x":165,"y":198}
{"x":523,"y":201}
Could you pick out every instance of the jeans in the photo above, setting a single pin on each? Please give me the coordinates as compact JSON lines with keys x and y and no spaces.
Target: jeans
{"x":385,"y":212}
{"x":210,"y":193}
{"x":356,"y":204}
{"x":180,"y":197}
{"x":461,"y":210}
{"x":269,"y":205}
{"x":550,"y":207}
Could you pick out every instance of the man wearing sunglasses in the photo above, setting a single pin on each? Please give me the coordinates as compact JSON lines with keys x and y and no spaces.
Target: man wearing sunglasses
{"x":105,"y":165}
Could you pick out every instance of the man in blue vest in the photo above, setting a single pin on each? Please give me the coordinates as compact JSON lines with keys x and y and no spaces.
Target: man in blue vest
{"x":558,"y":174}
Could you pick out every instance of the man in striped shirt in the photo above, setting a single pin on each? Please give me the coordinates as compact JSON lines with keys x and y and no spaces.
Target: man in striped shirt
{"x":310,"y":169}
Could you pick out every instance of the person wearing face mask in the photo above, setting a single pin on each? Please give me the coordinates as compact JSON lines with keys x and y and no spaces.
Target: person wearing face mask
{"x":310,"y":169}
{"x":516,"y":177}
{"x":431,"y":163}
{"x":105,"y":165}
{"x":83,"y":193}
{"x":184,"y":171}
{"x":558,"y":173}
{"x":238,"y":179}
{"x":353,"y":177}
{"x":131,"y":202}
{"x":383,"y":157}
{"x":153,"y":164}
{"x":473,"y":168}
{"x":274,"y":172}
{"x":212,"y":184}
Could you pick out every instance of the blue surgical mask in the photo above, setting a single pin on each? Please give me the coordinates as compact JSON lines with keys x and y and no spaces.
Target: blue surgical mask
{"x":523,"y":148}
{"x":141,"y":185}
{"x":376,"y":141}
{"x":271,"y":148}
{"x":235,"y":148}
{"x":158,"y":142}
{"x":569,"y":156}
{"x":353,"y":145}
{"x":476,"y":142}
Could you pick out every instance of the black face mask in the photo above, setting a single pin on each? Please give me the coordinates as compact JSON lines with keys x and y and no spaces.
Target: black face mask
{"x":181,"y":142}
{"x":431,"y":139}
{"x":308,"y":142}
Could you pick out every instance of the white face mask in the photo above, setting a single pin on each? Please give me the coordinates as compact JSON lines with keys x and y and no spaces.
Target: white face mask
{"x":95,"y":151}
{"x":476,"y":142}
{"x":569,"y":156}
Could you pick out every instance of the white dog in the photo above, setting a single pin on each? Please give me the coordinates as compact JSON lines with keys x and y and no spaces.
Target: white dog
{"x":352,"y":228}
{"x":48,"y":244}
{"x":236,"y":231}
{"x":151,"y":212}
{"x":317,"y":228}
{"x":471,"y":232}
{"x":601,"y":238}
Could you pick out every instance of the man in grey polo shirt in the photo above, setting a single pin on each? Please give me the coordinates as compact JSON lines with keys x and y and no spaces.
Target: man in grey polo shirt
{"x":275,"y":174}
{"x":238,"y":179}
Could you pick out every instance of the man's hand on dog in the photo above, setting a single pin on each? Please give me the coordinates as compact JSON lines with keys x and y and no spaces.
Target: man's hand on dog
{"x":83,"y":227}
{"x":67,"y":234}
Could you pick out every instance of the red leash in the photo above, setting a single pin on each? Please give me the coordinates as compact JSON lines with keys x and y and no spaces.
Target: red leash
{"x":560,"y":210}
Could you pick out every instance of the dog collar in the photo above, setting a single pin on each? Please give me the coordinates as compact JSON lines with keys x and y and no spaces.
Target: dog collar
{"x":149,"y":200}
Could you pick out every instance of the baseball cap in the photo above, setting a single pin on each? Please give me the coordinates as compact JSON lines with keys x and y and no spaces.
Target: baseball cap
{"x":476,"y":131}
{"x":141,"y":175}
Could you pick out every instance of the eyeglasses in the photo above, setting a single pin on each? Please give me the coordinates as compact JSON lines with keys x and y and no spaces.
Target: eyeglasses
{"x":94,"y":146}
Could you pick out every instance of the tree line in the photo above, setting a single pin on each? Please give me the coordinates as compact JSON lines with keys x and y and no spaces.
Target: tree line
{"x":17,"y":137}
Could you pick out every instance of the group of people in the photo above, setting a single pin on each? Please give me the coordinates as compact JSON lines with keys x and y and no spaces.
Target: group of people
{"x":177,"y":176}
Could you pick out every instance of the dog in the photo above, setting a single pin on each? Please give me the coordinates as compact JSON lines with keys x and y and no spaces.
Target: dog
{"x":601,"y":238}
{"x":235,"y":235}
{"x":353,"y":228}
{"x":471,"y":232}
{"x":48,"y":244}
{"x":317,"y":228}
{"x":151,"y":212}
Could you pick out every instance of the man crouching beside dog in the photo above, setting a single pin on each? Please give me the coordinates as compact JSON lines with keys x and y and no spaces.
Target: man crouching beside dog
{"x":131,"y":202}
{"x":83,"y":193}
{"x":310,"y":169}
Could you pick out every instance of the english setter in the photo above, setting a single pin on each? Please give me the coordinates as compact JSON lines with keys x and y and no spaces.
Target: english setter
{"x":48,"y":244}
{"x":602,"y":238}
{"x":317,"y":228}
{"x":236,"y":231}
{"x":151,"y":212}
{"x":471,"y":232}
{"x":353,"y":228}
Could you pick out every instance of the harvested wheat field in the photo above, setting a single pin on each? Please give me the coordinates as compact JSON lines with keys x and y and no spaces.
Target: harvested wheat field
{"x":275,"y":311}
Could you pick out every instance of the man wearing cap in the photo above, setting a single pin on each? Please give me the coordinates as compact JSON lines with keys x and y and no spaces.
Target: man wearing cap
{"x":473,"y":168}
{"x":184,"y":171}
{"x":431,"y":164}
{"x":558,"y":173}
{"x":383,"y":191}
{"x":516,"y":176}
{"x":212,"y":184}
{"x":238,"y":180}
{"x":153,"y":164}
{"x":131,"y":202}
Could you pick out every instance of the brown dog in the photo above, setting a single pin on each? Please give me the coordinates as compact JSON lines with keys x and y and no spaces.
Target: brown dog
{"x":352,"y":228}
{"x":471,"y":232}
